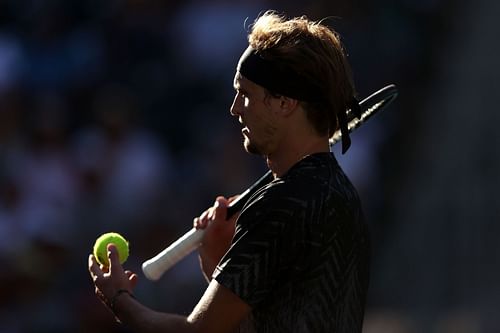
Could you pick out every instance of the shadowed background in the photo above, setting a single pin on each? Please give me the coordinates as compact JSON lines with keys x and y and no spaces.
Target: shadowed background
{"x":114,"y":116}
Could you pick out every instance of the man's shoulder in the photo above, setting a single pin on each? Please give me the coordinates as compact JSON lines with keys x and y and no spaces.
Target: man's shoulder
{"x":304,"y":180}
{"x":314,"y":169}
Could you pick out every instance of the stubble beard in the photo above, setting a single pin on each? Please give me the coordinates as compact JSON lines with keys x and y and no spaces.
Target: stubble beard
{"x":251,"y":148}
{"x":264,"y":145}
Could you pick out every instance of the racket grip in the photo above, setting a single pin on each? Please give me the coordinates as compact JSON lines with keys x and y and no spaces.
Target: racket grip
{"x":154,"y":268}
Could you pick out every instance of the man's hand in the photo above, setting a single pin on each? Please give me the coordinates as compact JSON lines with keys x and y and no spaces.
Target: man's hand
{"x":218,"y":235}
{"x":109,"y":280}
{"x":219,"y":309}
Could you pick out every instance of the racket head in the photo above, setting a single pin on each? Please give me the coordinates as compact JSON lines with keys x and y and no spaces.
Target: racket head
{"x":369,"y":106}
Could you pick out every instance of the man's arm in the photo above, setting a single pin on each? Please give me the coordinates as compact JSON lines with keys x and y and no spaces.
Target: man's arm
{"x":219,"y":309}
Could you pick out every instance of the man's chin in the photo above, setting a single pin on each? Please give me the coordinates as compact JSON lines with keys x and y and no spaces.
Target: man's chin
{"x":251,"y":148}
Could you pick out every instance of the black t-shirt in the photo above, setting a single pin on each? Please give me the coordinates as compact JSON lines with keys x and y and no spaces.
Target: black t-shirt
{"x":300,"y":254}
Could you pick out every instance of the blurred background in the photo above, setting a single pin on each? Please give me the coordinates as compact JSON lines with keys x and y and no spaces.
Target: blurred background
{"x":114,"y":116}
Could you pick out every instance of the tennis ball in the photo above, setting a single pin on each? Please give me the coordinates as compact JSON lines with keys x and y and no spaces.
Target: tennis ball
{"x":101,"y":244}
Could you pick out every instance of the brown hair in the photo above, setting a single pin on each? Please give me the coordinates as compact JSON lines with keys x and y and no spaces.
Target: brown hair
{"x":314,"y":52}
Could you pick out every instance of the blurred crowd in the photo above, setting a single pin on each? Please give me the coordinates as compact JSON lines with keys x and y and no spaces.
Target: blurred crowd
{"x":114,"y":116}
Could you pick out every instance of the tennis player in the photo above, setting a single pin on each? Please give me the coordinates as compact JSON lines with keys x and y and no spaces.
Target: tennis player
{"x":296,"y":258}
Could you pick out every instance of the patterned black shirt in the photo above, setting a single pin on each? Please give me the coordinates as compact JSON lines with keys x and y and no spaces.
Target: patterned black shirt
{"x":300,"y":254}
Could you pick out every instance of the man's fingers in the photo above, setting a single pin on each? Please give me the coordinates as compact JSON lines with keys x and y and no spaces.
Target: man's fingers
{"x":115,"y":267}
{"x":221,"y":201}
{"x":199,"y":223}
{"x":217,"y":212}
{"x":204,"y":215}
{"x":94,"y":269}
{"x":133,"y":278}
{"x":220,"y":208}
{"x":129,"y":274}
{"x":211,"y":212}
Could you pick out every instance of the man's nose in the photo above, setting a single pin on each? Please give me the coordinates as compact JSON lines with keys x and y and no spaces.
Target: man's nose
{"x":235,"y":110}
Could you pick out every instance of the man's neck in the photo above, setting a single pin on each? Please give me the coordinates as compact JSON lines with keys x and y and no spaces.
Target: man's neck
{"x":283,"y":159}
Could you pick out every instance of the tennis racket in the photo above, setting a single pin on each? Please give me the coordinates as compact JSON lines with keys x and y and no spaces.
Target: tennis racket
{"x":154,"y":267}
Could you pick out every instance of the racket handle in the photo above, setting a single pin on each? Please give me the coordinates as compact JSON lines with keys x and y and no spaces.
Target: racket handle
{"x":154,"y":268}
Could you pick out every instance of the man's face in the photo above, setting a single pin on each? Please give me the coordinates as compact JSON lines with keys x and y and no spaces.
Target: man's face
{"x":254,"y":112}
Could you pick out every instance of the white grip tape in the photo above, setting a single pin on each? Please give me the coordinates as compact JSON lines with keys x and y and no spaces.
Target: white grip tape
{"x":154,"y":268}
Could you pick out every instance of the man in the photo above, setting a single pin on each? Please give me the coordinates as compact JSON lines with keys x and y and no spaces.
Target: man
{"x":296,"y":258}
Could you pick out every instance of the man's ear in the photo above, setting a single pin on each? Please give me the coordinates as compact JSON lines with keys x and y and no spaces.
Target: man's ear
{"x":287,"y":105}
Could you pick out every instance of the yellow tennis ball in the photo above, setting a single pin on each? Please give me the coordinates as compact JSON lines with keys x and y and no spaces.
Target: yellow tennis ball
{"x":101,"y":244}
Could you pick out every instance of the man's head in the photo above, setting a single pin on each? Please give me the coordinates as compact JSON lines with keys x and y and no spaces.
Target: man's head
{"x":302,"y":60}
